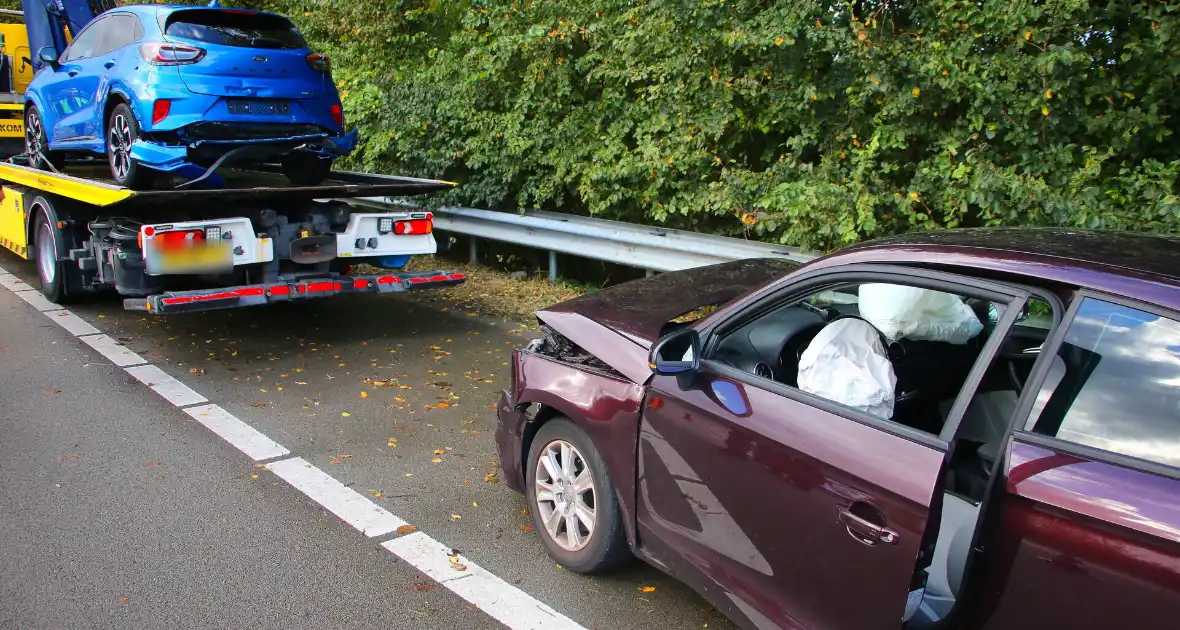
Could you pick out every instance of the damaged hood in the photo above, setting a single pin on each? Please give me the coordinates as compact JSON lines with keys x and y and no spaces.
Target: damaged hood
{"x":618,"y":325}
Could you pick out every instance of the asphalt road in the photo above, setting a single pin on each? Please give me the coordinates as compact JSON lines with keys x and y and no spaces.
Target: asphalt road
{"x":118,"y":510}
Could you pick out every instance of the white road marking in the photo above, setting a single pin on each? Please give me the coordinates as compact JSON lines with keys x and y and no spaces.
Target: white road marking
{"x":504,"y":602}
{"x":3,"y":271}
{"x":242,"y":436}
{"x":509,"y":605}
{"x":110,"y":349}
{"x":37,"y":300}
{"x":166,"y":386}
{"x":14,"y":283}
{"x":72,"y":323}
{"x":350,"y":505}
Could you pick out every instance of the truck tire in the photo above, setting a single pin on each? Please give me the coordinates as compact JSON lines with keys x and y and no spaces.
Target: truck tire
{"x":50,"y":270}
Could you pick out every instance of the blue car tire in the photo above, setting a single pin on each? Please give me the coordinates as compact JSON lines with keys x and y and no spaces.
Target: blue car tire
{"x":122,"y":132}
{"x":37,"y":143}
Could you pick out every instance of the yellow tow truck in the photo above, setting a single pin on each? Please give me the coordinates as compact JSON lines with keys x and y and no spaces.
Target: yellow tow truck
{"x":16,"y":70}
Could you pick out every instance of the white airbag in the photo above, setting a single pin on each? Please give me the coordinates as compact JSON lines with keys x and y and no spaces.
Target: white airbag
{"x":846,"y":363}
{"x":902,"y":312}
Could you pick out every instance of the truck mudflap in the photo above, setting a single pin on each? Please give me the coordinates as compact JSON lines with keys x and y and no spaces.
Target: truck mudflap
{"x":173,"y":302}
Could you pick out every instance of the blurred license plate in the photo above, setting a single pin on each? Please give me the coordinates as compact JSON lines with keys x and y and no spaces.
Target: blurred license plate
{"x":192,"y":257}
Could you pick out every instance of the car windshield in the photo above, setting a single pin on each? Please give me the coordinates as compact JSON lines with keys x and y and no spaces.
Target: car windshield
{"x":230,"y":28}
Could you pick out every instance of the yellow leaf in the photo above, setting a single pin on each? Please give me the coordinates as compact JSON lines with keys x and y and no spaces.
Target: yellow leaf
{"x":406,"y":529}
{"x":345,"y":414}
{"x":456,"y":517}
{"x":1048,"y":93}
{"x":1027,"y":35}
{"x":914,"y":196}
{"x":779,"y":41}
{"x":915,"y":91}
{"x":254,"y":476}
{"x":377,"y":495}
{"x":393,"y":442}
{"x":439,"y":451}
{"x":1044,"y":111}
{"x":647,"y":589}
{"x":436,"y":459}
{"x":364,"y":394}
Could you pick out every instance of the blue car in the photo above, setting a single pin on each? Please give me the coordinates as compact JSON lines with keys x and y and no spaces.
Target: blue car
{"x":177,"y":90}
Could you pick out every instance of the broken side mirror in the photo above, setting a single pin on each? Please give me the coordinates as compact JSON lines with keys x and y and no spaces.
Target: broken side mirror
{"x":676,"y":353}
{"x":48,"y":56}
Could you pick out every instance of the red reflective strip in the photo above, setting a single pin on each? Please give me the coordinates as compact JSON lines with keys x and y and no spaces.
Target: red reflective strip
{"x":280,"y":289}
{"x":177,"y":300}
{"x":389,"y":280}
{"x":251,"y":291}
{"x":456,"y":276}
{"x":360,"y":284}
{"x":322,"y":286}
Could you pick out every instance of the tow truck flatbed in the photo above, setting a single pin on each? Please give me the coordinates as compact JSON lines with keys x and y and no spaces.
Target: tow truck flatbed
{"x":89,"y":183}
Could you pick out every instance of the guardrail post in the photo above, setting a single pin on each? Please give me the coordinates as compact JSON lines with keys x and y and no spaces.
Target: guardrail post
{"x":647,"y":273}
{"x":473,"y":250}
{"x":553,"y":266}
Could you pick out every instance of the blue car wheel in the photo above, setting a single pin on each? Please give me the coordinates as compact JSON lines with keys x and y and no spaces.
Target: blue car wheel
{"x":122,"y":132}
{"x":37,"y":143}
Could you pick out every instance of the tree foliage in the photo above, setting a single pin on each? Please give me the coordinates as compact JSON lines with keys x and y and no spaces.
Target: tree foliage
{"x":813,"y":123}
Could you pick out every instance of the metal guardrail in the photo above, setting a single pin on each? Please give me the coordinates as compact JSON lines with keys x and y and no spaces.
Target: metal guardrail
{"x":646,"y":247}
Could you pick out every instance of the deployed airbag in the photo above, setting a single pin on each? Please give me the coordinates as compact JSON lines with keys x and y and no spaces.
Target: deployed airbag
{"x":846,"y":363}
{"x":902,"y":312}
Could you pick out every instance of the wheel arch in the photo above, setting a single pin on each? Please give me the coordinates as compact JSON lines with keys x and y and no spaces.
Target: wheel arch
{"x":115,"y":97}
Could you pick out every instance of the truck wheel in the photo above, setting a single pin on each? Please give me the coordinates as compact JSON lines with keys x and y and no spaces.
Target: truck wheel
{"x":306,"y":169}
{"x":122,"y":132}
{"x":572,"y":501}
{"x":37,"y":143}
{"x":51,"y":271}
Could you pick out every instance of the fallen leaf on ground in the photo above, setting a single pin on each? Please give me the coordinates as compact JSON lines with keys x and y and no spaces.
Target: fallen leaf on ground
{"x":152,"y":464}
{"x":334,"y":461}
{"x":254,"y":475}
{"x":647,"y":589}
{"x":122,"y":600}
{"x":423,"y":587}
{"x":456,"y":517}
{"x":406,"y":529}
{"x":393,"y":442}
{"x":526,"y":528}
{"x":68,"y":458}
{"x":439,"y":451}
{"x":345,"y":414}
{"x":343,"y":455}
{"x":459,"y":567}
{"x":436,"y":460}
{"x":257,"y":404}
{"x":364,"y":394}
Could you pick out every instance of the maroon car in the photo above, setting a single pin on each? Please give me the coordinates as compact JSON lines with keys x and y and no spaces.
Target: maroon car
{"x":976,"y":428}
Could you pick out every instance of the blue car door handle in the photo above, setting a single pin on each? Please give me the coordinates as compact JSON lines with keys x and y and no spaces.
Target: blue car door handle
{"x":110,"y":64}
{"x":72,"y":73}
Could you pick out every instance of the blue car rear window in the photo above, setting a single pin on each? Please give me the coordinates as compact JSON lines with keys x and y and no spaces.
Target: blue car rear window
{"x":231,"y":28}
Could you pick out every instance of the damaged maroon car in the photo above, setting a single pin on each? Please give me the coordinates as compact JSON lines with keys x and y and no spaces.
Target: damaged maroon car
{"x":976,"y":429}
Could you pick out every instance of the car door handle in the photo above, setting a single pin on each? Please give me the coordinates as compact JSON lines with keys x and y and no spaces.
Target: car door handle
{"x":865,"y":531}
{"x":72,"y":73}
{"x":110,"y":64}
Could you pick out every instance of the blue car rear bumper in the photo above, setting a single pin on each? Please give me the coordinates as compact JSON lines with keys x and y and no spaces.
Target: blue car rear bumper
{"x":172,"y":158}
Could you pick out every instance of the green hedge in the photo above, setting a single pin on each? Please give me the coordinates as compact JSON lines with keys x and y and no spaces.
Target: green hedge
{"x":809,"y":123}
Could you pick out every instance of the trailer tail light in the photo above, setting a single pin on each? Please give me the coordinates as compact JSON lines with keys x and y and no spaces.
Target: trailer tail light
{"x":415,"y":227}
{"x":180,"y":237}
{"x":160,"y":110}
{"x":166,"y":54}
{"x":338,"y":115}
{"x":319,"y":62}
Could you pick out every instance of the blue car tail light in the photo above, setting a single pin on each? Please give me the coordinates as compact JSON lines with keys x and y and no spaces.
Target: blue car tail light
{"x":160,"y":110}
{"x":165,"y":54}
{"x":320,"y":62}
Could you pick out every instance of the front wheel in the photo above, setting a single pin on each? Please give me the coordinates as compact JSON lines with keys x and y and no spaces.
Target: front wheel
{"x":37,"y":143}
{"x":122,"y":132}
{"x":572,"y":500}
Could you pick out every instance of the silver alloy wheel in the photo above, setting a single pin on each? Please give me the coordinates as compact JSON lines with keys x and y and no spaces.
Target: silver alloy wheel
{"x":46,"y":254}
{"x":565,"y":495}
{"x":119,"y":147}
{"x":34,"y":136}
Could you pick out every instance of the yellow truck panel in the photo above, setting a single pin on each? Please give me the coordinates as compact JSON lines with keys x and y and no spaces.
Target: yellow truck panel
{"x":13,"y":229}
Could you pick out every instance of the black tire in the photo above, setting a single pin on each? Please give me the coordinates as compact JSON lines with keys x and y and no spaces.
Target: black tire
{"x":37,"y":143}
{"x":121,"y":131}
{"x":306,"y":169}
{"x":606,"y":546}
{"x":50,"y":270}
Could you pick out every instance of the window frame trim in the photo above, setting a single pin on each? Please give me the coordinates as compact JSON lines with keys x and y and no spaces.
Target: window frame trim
{"x":1012,"y":296}
{"x":1023,"y":429}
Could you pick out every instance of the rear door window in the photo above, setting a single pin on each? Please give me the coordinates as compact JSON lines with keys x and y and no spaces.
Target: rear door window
{"x":231,"y":28}
{"x":87,"y":43}
{"x":122,"y":29}
{"x":1115,"y":384}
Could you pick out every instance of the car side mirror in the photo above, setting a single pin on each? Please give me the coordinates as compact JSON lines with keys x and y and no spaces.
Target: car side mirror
{"x":676,"y":353}
{"x":49,"y":57}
